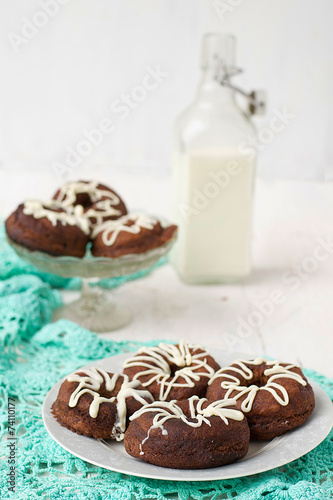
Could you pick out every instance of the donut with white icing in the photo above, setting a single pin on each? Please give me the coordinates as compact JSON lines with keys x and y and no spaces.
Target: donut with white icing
{"x":131,"y":234}
{"x":98,"y":202}
{"x":188,"y":434}
{"x":275,"y":397}
{"x":96,"y":403}
{"x":48,"y":227}
{"x":172,"y":371}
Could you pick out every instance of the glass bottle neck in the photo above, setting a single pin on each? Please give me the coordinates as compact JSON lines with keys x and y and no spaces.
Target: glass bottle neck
{"x":211,"y":90}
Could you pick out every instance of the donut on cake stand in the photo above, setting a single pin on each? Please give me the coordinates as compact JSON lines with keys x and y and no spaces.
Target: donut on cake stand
{"x":123,"y":247}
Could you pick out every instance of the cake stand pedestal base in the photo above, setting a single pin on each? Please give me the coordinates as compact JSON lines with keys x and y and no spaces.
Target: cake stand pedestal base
{"x":95,"y":311}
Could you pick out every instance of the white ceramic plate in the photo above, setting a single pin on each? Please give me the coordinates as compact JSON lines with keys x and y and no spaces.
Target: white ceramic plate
{"x":262,"y":456}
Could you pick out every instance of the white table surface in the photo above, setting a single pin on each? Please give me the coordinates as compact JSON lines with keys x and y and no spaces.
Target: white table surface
{"x":289,"y":219}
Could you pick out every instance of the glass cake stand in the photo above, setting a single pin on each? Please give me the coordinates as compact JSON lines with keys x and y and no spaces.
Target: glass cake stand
{"x":94,"y":309}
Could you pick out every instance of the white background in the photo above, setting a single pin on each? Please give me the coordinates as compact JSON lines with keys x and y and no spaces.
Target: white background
{"x":65,"y":78}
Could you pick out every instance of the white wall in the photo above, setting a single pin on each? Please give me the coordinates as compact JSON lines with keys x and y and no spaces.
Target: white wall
{"x":66,"y":76}
{"x":286,"y":48}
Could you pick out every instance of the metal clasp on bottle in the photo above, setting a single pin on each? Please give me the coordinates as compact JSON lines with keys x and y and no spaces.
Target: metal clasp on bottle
{"x":256,"y":99}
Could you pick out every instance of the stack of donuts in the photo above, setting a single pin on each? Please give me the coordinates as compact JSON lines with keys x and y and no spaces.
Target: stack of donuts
{"x":85,"y":212}
{"x":174,"y":406}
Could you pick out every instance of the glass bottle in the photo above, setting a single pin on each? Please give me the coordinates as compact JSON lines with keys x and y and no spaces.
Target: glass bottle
{"x":213,"y":175}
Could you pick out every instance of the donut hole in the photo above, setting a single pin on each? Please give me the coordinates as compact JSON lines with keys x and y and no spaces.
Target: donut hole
{"x":173,"y":369}
{"x":259,"y":378}
{"x":185,"y":407}
{"x":260,"y":382}
{"x":83,"y":199}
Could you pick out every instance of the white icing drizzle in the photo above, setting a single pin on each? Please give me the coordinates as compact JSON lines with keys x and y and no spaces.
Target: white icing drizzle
{"x":144,"y":440}
{"x":275,"y":370}
{"x":39,"y":209}
{"x":198,"y":415}
{"x":112,"y":228}
{"x":103,"y":208}
{"x":68,"y":192}
{"x":164,"y":433}
{"x":166,"y":410}
{"x":91,"y":382}
{"x":152,"y":360}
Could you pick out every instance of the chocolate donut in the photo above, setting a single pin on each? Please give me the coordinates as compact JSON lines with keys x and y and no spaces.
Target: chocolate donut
{"x":188,"y":434}
{"x":131,"y":234}
{"x":99,"y":202}
{"x":275,"y":397}
{"x":172,"y":371}
{"x":48,"y":227}
{"x":97,"y":403}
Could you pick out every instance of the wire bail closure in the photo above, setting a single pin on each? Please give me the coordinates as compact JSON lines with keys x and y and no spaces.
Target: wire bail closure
{"x":256,"y":99}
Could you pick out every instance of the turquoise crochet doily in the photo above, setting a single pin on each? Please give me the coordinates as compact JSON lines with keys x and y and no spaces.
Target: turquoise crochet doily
{"x":34,"y":355}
